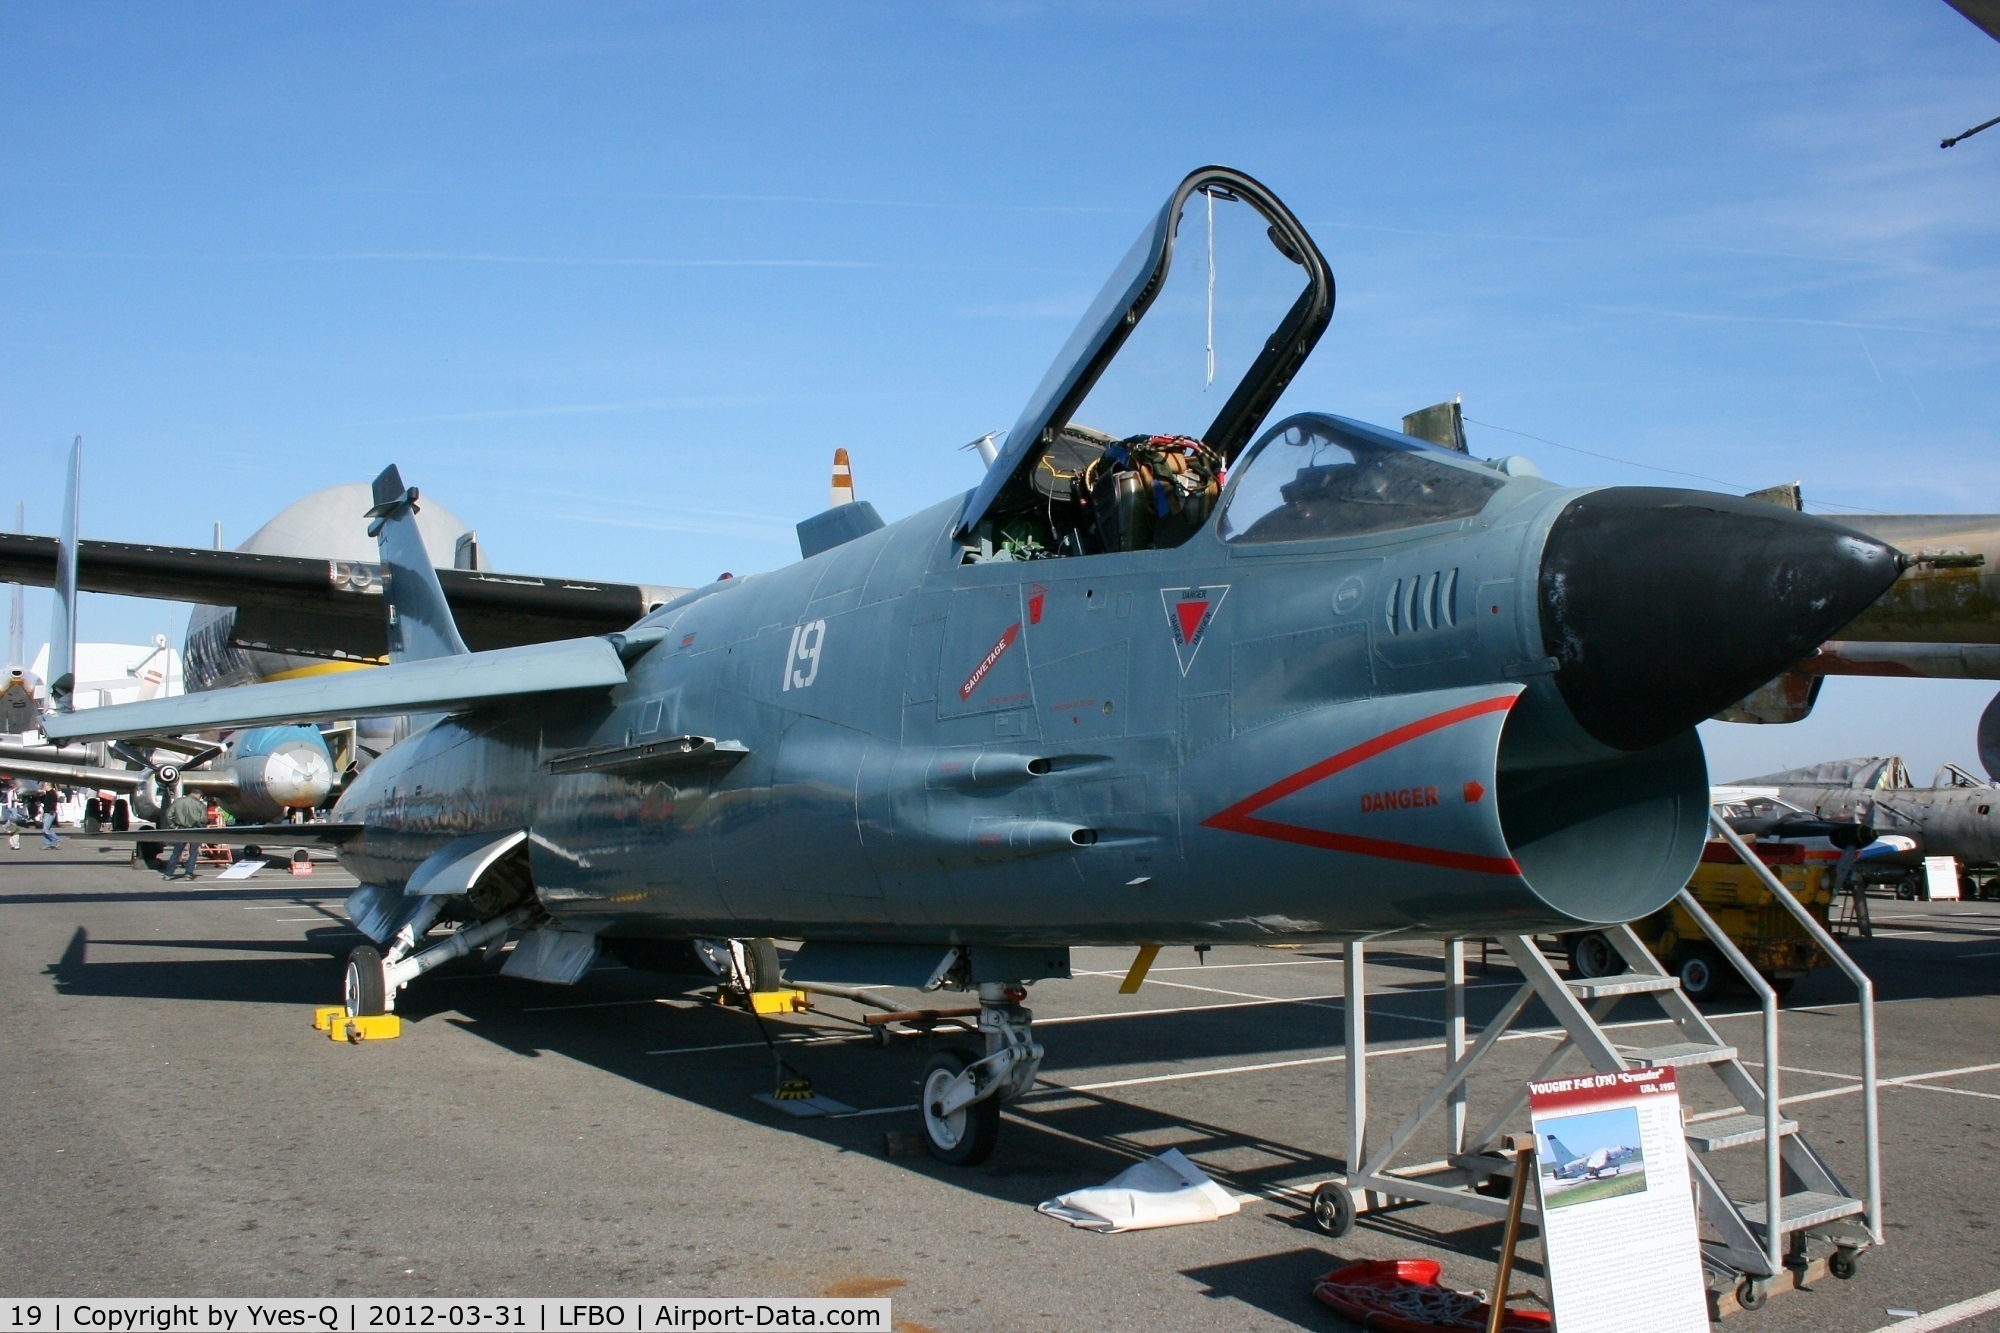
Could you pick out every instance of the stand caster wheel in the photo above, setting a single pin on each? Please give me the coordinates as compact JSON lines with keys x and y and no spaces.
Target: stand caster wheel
{"x":1333,"y":1208}
{"x":1753,"y":1292}
{"x":365,"y":991}
{"x":1844,"y":1263}
{"x":966,"y":1136}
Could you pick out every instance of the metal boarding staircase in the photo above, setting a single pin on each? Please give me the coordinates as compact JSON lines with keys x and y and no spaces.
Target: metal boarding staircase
{"x":1745,"y":1250}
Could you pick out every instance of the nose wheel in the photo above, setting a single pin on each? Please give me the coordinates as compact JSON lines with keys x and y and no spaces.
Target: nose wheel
{"x":961,"y":1137}
{"x":961,"y":1092}
{"x":365,"y":989}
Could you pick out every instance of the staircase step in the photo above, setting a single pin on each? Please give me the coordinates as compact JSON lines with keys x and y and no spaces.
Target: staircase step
{"x":1796,"y":1212}
{"x":1599,"y":988}
{"x":1732,"y":1131}
{"x":1678,"y":1053}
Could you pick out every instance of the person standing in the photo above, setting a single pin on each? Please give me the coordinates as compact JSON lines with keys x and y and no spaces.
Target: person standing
{"x":187,"y":812}
{"x":49,"y":839}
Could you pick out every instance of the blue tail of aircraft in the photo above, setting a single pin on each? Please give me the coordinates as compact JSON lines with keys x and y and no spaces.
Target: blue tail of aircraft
{"x":420,"y":620}
{"x":1562,"y":1154}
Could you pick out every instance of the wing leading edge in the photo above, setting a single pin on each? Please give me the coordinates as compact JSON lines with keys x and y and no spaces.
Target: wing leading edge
{"x":433,"y":685}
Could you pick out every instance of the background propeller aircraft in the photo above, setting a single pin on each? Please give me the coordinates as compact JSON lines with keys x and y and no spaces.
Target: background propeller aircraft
{"x":1156,"y":679}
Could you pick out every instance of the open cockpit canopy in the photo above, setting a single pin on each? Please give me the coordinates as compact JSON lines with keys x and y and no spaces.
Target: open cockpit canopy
{"x":1171,"y":370}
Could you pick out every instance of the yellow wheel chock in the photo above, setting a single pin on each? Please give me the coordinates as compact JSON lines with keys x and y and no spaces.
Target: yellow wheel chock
{"x":338,"y":1024}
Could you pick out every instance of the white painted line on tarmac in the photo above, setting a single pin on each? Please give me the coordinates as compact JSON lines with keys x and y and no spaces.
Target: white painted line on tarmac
{"x":1946,"y":1317}
{"x":1173,"y":1009}
{"x":1201,"y":1073}
{"x":874,"y":1110}
{"x":1374,"y":1053}
{"x":1799,"y":1069}
{"x":1244,"y":994}
{"x":1990,"y":953}
{"x":1956,"y":1092}
{"x":741,"y":1045}
{"x":1225,"y":967}
{"x":612,"y":1004}
{"x":1904,"y":1081}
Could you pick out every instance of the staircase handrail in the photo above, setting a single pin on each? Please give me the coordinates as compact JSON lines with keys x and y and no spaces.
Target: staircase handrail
{"x":1864,"y":988}
{"x":1767,"y":997}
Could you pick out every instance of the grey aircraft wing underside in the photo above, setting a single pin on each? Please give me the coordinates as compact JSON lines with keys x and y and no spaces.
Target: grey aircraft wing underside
{"x":430,"y":685}
{"x":325,"y":833}
{"x":1984,"y":14}
{"x":333,"y":608}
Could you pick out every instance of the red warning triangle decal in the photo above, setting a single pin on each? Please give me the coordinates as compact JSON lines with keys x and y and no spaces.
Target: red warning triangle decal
{"x":1190,"y":615}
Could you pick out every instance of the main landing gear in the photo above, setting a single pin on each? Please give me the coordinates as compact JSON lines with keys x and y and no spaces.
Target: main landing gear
{"x":374,"y":978}
{"x":962,"y":1091}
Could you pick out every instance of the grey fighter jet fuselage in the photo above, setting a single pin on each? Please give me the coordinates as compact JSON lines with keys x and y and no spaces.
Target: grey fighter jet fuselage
{"x":1135,"y":688}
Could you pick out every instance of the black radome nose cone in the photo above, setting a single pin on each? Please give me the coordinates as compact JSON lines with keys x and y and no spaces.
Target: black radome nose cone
{"x":1663,"y":606}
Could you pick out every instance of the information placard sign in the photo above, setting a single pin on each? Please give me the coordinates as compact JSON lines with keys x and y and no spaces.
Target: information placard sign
{"x":1618,"y":1217}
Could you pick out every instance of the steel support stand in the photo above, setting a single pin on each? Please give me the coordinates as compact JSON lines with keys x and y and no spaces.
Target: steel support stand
{"x":1355,"y":989}
{"x":1454,"y":1043}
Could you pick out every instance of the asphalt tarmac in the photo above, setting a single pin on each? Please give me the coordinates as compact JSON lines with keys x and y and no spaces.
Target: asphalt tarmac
{"x":173,"y":1126}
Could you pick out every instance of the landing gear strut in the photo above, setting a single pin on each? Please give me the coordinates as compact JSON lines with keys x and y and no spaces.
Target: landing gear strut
{"x":962,"y":1092}
{"x":374,"y":980}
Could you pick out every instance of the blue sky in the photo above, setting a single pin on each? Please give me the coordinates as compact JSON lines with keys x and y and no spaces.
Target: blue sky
{"x":612,"y":281}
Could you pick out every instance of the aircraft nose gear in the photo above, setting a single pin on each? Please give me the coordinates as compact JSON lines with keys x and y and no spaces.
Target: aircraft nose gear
{"x":961,"y":1093}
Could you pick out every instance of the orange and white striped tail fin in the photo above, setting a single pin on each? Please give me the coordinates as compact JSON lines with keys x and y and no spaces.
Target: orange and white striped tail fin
{"x":843,"y":480}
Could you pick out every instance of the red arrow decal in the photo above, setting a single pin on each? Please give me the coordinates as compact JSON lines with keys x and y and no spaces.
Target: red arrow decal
{"x":1241,"y":817}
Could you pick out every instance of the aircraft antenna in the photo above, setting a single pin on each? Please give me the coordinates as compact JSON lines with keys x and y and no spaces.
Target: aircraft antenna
{"x":1984,"y":125}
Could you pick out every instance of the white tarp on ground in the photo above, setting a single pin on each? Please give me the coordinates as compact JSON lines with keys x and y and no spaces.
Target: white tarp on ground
{"x":1163,"y":1191}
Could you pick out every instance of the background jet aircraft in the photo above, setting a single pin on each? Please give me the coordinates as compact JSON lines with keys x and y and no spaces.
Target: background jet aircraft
{"x":291,"y":619}
{"x":1370,"y":687}
{"x":1955,"y":816}
{"x":1586,"y":1166}
{"x":260,"y":774}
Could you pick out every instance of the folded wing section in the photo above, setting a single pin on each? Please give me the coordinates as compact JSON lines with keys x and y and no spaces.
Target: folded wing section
{"x":432,"y":685}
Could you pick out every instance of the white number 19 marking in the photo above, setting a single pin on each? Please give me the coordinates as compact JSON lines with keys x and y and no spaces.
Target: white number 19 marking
{"x":802,"y":662}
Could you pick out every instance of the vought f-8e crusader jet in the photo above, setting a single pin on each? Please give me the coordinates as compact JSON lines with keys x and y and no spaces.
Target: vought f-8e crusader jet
{"x":1157,"y":679}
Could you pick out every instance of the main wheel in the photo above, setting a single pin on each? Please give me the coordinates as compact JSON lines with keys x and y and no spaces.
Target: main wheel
{"x":1699,"y":977}
{"x":1591,"y":955}
{"x":762,"y":956}
{"x":966,"y":1136}
{"x":1333,"y":1208}
{"x":366,"y":990}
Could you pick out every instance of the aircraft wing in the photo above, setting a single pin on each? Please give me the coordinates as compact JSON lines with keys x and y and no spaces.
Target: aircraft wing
{"x":324,"y":834}
{"x":1985,"y":14}
{"x":104,"y":779}
{"x":429,"y":685}
{"x":325,"y":608}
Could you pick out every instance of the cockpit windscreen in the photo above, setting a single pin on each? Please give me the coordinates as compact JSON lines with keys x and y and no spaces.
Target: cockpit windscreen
{"x":1315,"y":476}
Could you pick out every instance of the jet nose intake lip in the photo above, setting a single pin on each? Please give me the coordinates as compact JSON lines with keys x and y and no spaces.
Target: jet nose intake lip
{"x":1664,"y":606}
